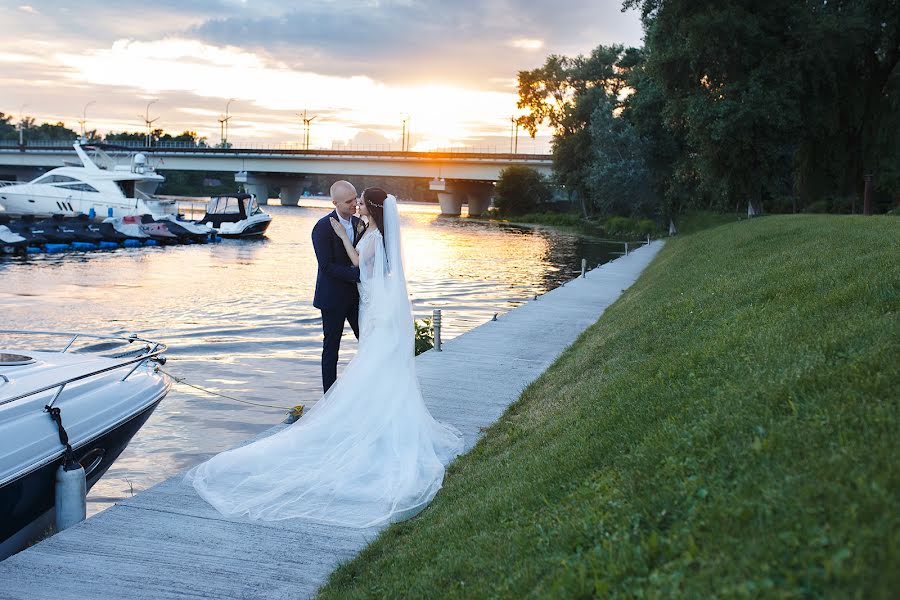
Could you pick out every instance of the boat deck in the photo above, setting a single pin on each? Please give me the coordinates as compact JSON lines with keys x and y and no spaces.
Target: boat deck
{"x":167,"y":543}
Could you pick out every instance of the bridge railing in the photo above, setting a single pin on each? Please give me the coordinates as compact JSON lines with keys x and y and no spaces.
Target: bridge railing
{"x":288,"y":147}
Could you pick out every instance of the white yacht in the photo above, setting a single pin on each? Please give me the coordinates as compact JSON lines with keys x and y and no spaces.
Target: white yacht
{"x":101,"y":190}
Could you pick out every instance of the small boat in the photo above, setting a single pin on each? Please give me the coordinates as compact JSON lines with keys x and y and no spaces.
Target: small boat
{"x":54,"y":230}
{"x":85,"y":229}
{"x":236,"y":216}
{"x":23,"y":229}
{"x":187,"y":231}
{"x":125,"y":229}
{"x":159,"y":232}
{"x":11,"y":242}
{"x":104,"y":395}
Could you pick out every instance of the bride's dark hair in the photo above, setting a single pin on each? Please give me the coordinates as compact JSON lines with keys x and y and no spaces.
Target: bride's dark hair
{"x":374,"y":198}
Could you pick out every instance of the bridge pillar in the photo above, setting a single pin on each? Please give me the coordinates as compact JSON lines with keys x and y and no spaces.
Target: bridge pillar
{"x":290,"y":194}
{"x":258,"y":189}
{"x":478,"y":197}
{"x":451,"y":202}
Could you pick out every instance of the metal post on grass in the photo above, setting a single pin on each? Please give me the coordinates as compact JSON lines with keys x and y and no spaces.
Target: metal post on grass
{"x":436,"y":326}
{"x":583,"y":266}
{"x":867,"y":196}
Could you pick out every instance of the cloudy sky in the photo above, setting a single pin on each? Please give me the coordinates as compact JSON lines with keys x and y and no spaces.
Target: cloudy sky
{"x":358,"y":66}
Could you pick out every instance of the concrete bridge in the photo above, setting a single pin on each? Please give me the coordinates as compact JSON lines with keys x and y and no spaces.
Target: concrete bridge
{"x":457,"y":177}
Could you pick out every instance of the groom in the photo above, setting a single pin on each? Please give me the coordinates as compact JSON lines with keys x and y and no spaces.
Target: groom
{"x":336,"y":293}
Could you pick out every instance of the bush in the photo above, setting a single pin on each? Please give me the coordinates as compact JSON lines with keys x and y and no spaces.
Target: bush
{"x":626,"y":227}
{"x":424,"y":336}
{"x":519,"y":190}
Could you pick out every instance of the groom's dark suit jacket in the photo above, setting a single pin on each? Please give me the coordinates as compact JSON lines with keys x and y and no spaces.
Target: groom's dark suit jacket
{"x":337,"y":278}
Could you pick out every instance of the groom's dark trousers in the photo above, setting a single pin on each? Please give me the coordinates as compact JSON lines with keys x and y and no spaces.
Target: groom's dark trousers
{"x":336,"y":293}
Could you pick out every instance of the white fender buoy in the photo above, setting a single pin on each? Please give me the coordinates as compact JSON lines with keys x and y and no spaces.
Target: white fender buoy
{"x":71,"y":497}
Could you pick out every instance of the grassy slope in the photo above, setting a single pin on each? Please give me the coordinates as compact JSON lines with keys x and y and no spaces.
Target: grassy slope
{"x":729,"y":427}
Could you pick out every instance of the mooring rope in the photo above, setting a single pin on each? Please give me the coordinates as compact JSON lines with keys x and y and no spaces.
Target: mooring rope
{"x":181,"y":380}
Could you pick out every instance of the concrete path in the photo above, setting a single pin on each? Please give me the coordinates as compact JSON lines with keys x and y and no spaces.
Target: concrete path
{"x":167,"y":543}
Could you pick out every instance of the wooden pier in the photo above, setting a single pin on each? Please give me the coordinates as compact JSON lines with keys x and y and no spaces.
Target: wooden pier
{"x":167,"y":543}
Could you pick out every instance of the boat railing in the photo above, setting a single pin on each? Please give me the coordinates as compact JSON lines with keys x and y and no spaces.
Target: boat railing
{"x":134,"y":358}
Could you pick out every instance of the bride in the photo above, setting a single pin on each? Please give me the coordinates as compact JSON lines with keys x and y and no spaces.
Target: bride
{"x":368,"y":452}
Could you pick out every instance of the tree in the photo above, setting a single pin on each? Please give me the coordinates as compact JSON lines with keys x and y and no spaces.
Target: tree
{"x":618,"y":176}
{"x":563,"y":94}
{"x":519,"y":190}
{"x":772,"y":98}
{"x":125,"y":136}
{"x":8,"y":130}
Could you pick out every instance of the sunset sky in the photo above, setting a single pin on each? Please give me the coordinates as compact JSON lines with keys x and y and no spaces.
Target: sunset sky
{"x":358,"y":66}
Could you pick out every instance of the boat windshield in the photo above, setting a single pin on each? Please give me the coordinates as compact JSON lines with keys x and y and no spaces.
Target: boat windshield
{"x":224,"y":205}
{"x":54,"y":178}
{"x":127,"y":187}
{"x":251,"y":207}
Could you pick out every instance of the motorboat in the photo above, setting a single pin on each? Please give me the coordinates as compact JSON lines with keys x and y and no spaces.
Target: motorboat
{"x":104,"y":393}
{"x":127,"y":228}
{"x":98,"y":188}
{"x":10,"y":241}
{"x":186,"y":231}
{"x":236,"y":216}
{"x":23,"y":229}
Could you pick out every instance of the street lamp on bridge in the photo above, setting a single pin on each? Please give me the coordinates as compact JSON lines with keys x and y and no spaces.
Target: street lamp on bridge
{"x":147,"y":121}
{"x":404,"y":136}
{"x":223,"y":125}
{"x":514,"y":135}
{"x":84,"y":120}
{"x":306,"y":126}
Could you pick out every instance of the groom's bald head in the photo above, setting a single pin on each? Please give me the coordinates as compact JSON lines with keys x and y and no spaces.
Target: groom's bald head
{"x":343,"y":196}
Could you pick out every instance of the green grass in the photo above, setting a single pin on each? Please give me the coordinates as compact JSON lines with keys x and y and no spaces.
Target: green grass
{"x":728,"y":428}
{"x":620,"y":228}
{"x":698,"y":220}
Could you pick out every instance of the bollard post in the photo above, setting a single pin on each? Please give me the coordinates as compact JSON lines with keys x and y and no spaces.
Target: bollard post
{"x":436,"y":325}
{"x":626,"y":248}
{"x":867,"y":195}
{"x":583,"y":266}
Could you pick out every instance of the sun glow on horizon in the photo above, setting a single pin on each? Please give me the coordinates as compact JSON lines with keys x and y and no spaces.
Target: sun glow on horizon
{"x":438,"y":115}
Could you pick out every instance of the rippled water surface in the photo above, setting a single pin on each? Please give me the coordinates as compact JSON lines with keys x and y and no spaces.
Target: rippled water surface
{"x":238,"y":316}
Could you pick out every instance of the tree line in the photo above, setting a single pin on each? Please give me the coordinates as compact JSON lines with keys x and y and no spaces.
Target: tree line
{"x":58,"y":132}
{"x":782,"y":106}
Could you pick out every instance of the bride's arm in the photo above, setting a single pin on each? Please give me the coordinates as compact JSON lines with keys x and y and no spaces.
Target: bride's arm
{"x":348,"y":245}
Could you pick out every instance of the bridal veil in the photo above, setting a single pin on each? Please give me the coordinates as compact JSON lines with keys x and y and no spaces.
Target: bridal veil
{"x":368,"y":452}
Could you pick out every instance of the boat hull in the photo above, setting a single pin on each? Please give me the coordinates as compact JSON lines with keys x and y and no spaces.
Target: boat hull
{"x":27,"y":503}
{"x":258,"y":230}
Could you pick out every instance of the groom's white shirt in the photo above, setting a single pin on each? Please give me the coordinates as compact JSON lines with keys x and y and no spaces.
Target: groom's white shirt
{"x":348,"y":226}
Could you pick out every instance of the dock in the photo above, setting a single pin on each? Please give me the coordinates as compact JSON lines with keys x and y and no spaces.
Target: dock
{"x":167,"y":543}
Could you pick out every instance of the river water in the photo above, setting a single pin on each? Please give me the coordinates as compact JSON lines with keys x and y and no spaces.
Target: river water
{"x":238,"y":316}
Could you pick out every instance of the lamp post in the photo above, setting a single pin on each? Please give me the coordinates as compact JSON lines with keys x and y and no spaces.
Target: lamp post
{"x":223,"y":124}
{"x":307,"y":121}
{"x":22,"y":124}
{"x":84,"y":120}
{"x":404,"y":135}
{"x":514,"y":135}
{"x":149,"y":122}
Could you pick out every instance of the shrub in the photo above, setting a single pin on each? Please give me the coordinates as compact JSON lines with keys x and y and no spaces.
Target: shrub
{"x":424,"y":336}
{"x":519,"y":190}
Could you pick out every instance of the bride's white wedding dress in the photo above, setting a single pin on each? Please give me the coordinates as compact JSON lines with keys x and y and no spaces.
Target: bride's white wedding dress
{"x":368,"y":452}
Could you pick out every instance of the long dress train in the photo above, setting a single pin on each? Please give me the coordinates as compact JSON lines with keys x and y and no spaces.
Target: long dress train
{"x":368,"y":452}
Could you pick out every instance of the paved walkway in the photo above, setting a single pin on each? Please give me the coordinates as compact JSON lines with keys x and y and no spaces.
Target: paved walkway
{"x":167,"y":543}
